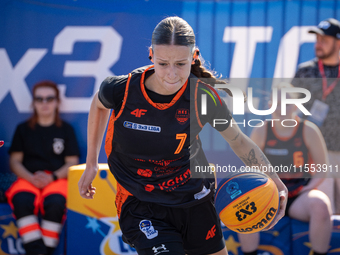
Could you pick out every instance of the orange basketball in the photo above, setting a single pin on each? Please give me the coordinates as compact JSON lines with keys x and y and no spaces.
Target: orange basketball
{"x":247,"y":202}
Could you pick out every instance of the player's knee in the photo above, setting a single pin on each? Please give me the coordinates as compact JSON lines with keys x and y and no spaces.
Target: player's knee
{"x":23,"y":204}
{"x":54,"y":207}
{"x":321,"y":208}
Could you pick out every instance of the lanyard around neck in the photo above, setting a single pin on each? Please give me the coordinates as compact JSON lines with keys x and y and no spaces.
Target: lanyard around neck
{"x":327,"y":90}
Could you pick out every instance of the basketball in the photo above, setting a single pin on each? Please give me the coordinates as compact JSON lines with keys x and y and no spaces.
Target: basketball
{"x":247,"y":202}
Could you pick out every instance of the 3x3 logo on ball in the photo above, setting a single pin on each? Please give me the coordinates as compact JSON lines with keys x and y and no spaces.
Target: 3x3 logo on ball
{"x":244,"y":212}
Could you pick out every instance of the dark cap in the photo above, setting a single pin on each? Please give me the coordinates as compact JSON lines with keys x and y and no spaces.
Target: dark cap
{"x":327,"y":27}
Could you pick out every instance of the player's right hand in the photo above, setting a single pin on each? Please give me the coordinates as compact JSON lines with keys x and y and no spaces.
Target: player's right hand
{"x":85,"y":187}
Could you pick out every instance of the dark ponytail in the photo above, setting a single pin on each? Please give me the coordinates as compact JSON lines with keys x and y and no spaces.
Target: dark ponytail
{"x":200,"y":71}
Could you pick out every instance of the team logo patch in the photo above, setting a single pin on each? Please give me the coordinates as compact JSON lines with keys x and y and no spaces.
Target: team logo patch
{"x":233,"y":189}
{"x":272,"y":143}
{"x":141,"y":127}
{"x":146,"y":227}
{"x":58,"y":145}
{"x":182,"y":115}
{"x":298,"y":142}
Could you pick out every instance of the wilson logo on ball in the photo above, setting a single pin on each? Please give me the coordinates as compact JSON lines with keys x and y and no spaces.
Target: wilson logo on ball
{"x":261,"y":224}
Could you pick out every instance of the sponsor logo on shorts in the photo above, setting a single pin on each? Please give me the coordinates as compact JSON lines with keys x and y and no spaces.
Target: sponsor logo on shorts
{"x":233,"y":189}
{"x":141,"y":127}
{"x":160,"y":249}
{"x":146,"y":227}
{"x":211,"y":233}
{"x":261,"y":223}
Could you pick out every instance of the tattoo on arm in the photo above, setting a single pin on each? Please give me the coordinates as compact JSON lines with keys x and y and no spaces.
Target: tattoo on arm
{"x":271,"y":174}
{"x":250,"y":159}
{"x":264,"y":158}
{"x":238,"y":133}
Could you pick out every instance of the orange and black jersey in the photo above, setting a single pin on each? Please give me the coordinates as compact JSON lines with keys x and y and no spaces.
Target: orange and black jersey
{"x":152,"y":140}
{"x":289,"y":152}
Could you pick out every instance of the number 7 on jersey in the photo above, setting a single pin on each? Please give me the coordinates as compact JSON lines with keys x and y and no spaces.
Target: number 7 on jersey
{"x":182,"y":137}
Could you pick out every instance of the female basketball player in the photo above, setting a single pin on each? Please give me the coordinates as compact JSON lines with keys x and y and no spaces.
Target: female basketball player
{"x":42,"y":150}
{"x":153,"y":147}
{"x":297,"y":146}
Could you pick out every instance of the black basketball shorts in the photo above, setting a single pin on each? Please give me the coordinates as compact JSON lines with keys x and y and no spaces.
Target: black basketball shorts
{"x":155,"y":229}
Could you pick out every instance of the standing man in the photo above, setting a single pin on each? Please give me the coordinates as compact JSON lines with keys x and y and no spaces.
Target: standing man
{"x":321,"y":77}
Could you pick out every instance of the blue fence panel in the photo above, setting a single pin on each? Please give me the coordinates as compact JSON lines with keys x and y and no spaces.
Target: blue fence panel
{"x":79,"y":43}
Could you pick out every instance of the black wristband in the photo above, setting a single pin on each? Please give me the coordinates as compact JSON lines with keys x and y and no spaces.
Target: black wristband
{"x":55,"y":177}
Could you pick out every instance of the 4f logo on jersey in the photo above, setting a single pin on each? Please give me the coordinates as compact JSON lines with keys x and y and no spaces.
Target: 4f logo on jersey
{"x":272,"y":143}
{"x":249,"y":210}
{"x":138,"y":112}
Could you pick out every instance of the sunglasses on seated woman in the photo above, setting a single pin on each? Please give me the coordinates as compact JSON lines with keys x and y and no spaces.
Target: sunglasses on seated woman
{"x":44,"y":99}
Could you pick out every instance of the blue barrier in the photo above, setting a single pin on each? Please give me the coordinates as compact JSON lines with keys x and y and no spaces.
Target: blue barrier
{"x":288,"y":237}
{"x":78,"y":43}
